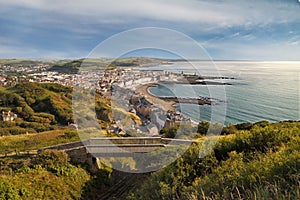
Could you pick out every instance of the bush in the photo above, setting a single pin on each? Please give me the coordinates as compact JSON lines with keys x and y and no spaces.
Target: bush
{"x":230,"y":129}
{"x":262,"y":124}
{"x":70,"y":134}
{"x":50,"y":158}
{"x":169,"y":132}
{"x":8,"y":191}
{"x":186,"y":131}
{"x":236,"y":178}
{"x":203,"y":128}
{"x":257,"y":139}
{"x":62,"y":170}
{"x":260,"y":163}
{"x":244,"y":126}
{"x":40,"y":119}
{"x":15,"y":130}
{"x":38,"y":127}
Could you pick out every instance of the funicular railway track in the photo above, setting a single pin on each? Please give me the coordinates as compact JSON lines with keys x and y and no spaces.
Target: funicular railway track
{"x":119,"y":190}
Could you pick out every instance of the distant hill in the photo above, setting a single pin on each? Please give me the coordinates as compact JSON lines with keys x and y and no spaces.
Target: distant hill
{"x":137,"y":61}
{"x":29,"y":62}
{"x":67,"y":67}
{"x":19,"y":62}
{"x":72,"y":67}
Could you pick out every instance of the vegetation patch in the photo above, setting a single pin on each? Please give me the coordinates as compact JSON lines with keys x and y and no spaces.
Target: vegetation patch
{"x":261,"y":162}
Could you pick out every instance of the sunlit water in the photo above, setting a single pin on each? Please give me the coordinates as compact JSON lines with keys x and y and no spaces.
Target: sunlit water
{"x":260,"y":91}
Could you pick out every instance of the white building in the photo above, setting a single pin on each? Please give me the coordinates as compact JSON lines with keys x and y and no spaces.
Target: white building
{"x":8,"y":116}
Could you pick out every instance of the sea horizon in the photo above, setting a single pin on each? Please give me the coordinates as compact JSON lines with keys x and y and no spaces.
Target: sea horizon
{"x":258,"y":91}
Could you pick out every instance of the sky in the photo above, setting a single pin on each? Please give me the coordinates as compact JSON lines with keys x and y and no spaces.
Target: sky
{"x":226,"y":29}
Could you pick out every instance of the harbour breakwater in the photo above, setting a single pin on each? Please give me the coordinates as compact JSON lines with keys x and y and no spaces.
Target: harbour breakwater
{"x":197,"y":101}
{"x":196,"y":80}
{"x":170,"y":101}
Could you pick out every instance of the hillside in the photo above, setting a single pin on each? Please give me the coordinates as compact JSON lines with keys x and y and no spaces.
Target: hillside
{"x":72,"y":67}
{"x":260,"y":163}
{"x":39,"y":107}
{"x":21,"y":62}
{"x":46,"y":176}
{"x":45,"y":106}
{"x":249,"y":161}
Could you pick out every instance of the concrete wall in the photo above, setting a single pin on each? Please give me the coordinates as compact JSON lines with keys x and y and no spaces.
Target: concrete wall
{"x":177,"y":141}
{"x":128,"y":140}
{"x":63,"y":146}
{"x":79,"y":153}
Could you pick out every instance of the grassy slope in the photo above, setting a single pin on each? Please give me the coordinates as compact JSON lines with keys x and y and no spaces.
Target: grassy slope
{"x":262,"y":163}
{"x":35,"y":141}
{"x":42,"y":184}
{"x":22,"y":179}
{"x":47,"y":105}
{"x":30,"y":99}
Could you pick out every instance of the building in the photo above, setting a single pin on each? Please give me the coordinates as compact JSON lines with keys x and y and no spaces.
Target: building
{"x":73,"y":126}
{"x":175,"y":119}
{"x":141,"y":105}
{"x":8,"y":116}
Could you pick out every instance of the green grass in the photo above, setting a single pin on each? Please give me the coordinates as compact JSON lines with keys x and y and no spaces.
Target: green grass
{"x":48,"y":176}
{"x":260,"y":163}
{"x":35,"y":141}
{"x":42,"y":184}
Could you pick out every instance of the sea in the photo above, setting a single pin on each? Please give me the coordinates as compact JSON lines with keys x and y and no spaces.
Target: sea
{"x":256,"y":91}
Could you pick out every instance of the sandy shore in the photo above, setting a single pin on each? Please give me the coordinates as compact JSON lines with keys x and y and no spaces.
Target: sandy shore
{"x":165,"y":105}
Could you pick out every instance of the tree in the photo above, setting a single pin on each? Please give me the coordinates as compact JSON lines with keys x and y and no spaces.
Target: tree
{"x":203,"y":127}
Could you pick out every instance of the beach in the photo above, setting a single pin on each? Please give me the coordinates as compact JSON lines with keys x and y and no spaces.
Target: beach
{"x":168,"y":103}
{"x":163,"y":104}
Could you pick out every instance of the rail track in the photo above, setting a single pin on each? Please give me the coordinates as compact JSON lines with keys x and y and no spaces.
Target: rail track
{"x":119,"y":190}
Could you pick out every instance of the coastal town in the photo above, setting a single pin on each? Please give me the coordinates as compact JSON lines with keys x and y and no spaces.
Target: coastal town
{"x":126,"y":86}
{"x":123,"y":87}
{"x":150,"y":100}
{"x":10,"y":75}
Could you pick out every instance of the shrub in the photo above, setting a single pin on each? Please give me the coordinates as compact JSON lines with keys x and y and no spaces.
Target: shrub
{"x":244,"y":126}
{"x":70,"y":134}
{"x":262,"y":124}
{"x":51,"y":158}
{"x":230,"y":129}
{"x":8,"y":191}
{"x":38,"y":127}
{"x":169,"y":132}
{"x":260,"y":163}
{"x":203,"y":128}
{"x":62,"y":170}
{"x":186,"y":131}
{"x":15,"y":130}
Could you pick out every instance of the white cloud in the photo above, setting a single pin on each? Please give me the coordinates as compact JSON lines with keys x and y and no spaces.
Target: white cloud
{"x":230,"y":27}
{"x":276,"y":50}
{"x":219,"y":13}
